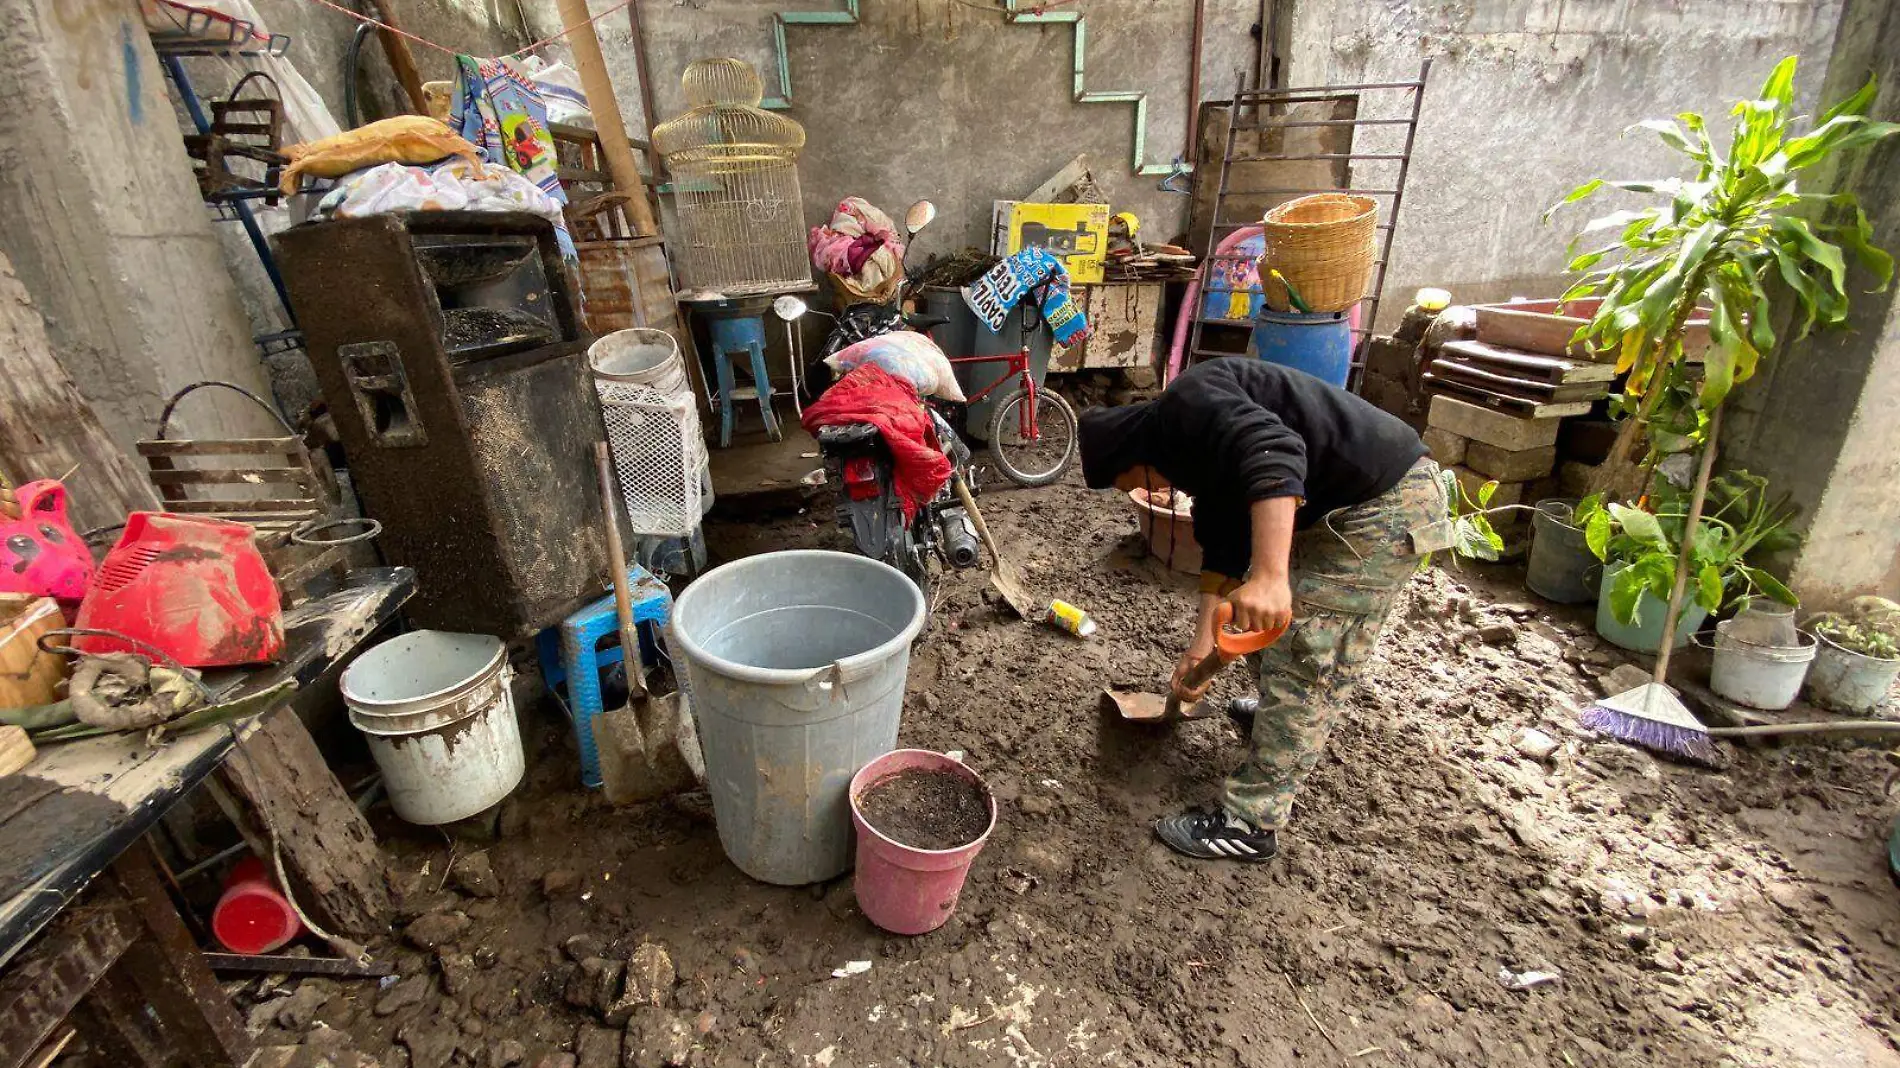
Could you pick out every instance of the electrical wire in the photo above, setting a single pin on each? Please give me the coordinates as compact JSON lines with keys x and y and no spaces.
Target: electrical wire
{"x":426,"y":43}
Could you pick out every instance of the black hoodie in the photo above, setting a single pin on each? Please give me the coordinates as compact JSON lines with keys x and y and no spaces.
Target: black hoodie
{"x":1233,"y":431}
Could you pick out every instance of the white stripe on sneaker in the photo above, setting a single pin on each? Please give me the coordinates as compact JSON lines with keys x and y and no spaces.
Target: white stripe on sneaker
{"x":1245,"y":848}
{"x":1220,"y":847}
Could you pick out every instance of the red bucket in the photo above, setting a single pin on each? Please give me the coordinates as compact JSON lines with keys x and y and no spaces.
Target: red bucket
{"x":902,"y":889}
{"x":253,"y":916}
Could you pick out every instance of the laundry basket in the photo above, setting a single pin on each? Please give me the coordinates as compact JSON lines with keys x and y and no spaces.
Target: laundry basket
{"x":1323,"y":244}
{"x":652,"y":420}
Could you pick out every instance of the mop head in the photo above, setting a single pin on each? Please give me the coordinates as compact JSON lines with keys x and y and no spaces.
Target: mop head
{"x":1651,"y":716}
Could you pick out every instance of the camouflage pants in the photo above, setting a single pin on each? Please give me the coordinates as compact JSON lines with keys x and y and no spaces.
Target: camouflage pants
{"x":1346,"y":572}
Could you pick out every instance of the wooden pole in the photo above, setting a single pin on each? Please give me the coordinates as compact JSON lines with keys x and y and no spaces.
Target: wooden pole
{"x":646,"y":82}
{"x":401,"y":60}
{"x":607,"y":121}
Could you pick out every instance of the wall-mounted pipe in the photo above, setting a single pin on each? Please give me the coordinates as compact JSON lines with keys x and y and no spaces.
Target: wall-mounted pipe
{"x":1191,"y":152}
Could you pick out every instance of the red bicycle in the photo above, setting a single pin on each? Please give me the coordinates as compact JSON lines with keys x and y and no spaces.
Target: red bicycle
{"x":1031,"y":433}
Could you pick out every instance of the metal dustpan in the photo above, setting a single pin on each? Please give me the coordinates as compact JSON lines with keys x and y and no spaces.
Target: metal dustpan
{"x":1139,"y":706}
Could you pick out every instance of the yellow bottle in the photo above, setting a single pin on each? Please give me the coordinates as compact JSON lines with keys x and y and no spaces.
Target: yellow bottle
{"x":1068,"y":617}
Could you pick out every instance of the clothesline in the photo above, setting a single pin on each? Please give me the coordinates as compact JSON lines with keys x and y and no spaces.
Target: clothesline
{"x":405,"y":34}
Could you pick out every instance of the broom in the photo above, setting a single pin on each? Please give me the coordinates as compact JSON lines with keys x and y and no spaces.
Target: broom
{"x":1651,"y":715}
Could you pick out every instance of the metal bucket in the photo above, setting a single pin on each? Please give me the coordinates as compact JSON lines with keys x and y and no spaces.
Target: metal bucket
{"x":1758,"y":675}
{"x":440,"y":721}
{"x":1845,"y":681}
{"x":1562,"y":568}
{"x":795,"y":664}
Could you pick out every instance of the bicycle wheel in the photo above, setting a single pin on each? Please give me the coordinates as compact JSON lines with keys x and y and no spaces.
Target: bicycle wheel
{"x":1037,"y":460}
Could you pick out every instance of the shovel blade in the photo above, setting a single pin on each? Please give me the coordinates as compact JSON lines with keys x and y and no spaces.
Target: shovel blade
{"x":1009,"y":587}
{"x":643,"y":751}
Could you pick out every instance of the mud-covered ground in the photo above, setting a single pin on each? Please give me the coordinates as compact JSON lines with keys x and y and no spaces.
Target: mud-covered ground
{"x":1690,"y":917}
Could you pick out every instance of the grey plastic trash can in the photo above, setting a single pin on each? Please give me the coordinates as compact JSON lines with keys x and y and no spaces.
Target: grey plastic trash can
{"x":795,"y":665}
{"x":965,"y":335}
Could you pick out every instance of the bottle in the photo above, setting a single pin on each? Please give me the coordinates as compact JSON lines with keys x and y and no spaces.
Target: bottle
{"x":1065,"y":616}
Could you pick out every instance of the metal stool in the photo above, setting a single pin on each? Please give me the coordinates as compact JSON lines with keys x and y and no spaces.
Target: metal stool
{"x":744,"y":334}
{"x":571,"y":652}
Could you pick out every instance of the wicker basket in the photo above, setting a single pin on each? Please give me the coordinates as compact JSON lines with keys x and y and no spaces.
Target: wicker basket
{"x":1324,"y":245}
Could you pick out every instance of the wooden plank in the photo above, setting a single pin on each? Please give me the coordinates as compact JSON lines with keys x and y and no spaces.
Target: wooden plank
{"x":1517,"y":387}
{"x":579,"y":174}
{"x":1517,"y":406}
{"x":166,"y":966}
{"x":1527,"y":365}
{"x":38,"y":992}
{"x":1058,"y":183}
{"x":271,"y":508}
{"x":47,"y":428}
{"x":225,"y":476}
{"x":226,"y":447}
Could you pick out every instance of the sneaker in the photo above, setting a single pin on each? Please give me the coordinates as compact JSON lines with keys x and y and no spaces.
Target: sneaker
{"x":1216,"y":836}
{"x":1242,"y":711}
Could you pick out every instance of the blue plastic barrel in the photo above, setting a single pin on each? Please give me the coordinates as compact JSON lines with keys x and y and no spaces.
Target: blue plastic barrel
{"x":1319,"y":344}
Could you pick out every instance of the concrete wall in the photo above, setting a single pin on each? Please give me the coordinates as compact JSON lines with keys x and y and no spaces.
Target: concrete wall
{"x":1529,"y":98}
{"x":1819,"y":422}
{"x":104,"y":224}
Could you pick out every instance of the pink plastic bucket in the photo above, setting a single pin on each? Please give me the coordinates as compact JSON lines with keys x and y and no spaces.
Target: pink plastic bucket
{"x":904,"y":890}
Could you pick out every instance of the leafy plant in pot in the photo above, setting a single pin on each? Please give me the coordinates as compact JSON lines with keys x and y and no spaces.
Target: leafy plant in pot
{"x":1859,"y":655}
{"x":1642,"y":552}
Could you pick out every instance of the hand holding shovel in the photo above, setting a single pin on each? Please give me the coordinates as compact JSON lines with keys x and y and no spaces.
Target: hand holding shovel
{"x":1229,"y":645}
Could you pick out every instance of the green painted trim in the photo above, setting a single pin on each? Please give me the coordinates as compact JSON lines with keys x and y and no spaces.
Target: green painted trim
{"x":1080,"y":91}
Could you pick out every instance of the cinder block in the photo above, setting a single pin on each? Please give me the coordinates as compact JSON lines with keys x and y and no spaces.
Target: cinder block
{"x":1587,"y":441}
{"x":1446,"y":447}
{"x":1575,"y":479}
{"x":1389,"y":394}
{"x":1492,"y":427}
{"x":1472,"y":481}
{"x":1395,"y":359}
{"x":1510,"y":466}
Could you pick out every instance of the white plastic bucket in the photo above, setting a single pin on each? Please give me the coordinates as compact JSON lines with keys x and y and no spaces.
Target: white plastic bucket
{"x":440,"y":720}
{"x":1846,"y":681}
{"x":1759,"y":676}
{"x":641,"y":356}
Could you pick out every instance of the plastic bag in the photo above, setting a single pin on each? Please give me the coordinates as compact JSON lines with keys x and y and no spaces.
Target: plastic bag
{"x":404,"y":139}
{"x":904,"y":354}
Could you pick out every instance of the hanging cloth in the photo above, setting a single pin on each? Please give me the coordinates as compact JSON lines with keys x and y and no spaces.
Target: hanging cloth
{"x":499,"y":110}
{"x":1033,"y":272}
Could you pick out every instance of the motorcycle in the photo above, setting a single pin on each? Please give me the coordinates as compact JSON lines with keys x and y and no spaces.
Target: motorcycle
{"x":858,"y":461}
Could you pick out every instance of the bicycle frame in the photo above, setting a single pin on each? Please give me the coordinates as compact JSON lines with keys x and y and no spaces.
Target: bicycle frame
{"x":1018,"y":366}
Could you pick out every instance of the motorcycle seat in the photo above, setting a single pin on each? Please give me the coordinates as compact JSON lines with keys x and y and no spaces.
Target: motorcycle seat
{"x":841,"y":434}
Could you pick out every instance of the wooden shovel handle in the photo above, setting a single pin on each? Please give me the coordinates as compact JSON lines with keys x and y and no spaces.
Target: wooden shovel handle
{"x":617,"y":560}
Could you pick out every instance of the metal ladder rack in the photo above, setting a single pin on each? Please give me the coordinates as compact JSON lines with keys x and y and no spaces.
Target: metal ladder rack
{"x":1382,"y":129}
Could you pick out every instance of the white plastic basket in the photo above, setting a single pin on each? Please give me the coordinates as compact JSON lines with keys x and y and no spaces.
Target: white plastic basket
{"x":652,"y":422}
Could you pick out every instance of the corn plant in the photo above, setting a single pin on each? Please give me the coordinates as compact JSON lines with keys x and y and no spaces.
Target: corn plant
{"x":1721,"y":240}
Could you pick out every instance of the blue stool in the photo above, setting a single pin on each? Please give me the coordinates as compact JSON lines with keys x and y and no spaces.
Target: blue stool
{"x":745,"y":334}
{"x":571,"y":653}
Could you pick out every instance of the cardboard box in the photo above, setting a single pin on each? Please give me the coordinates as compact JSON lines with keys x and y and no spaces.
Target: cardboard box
{"x":1076,"y":234}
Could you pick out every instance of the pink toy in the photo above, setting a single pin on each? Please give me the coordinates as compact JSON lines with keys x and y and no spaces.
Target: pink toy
{"x":39,"y":552}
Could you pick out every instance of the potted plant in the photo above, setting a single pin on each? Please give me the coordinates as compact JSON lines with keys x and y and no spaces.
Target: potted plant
{"x":1859,"y":655}
{"x":1723,"y":236}
{"x":1642,"y":550}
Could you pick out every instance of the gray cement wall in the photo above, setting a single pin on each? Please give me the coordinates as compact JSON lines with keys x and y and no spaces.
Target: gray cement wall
{"x":1529,"y":98}
{"x":105,"y":227}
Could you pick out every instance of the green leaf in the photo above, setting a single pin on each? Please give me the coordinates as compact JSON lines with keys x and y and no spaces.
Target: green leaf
{"x":1486,"y":492}
{"x":1780,"y":84}
{"x":1626,"y":592}
{"x":1672,"y":136}
{"x":1596,"y":534}
{"x":1709,"y":587}
{"x":1859,"y":239}
{"x":1639,"y":524}
{"x":1769,"y":585}
{"x":1857,"y":104}
{"x":1579,"y":193}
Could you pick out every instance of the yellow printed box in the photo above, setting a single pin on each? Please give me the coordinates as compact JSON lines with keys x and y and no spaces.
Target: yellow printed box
{"x":1076,"y":234}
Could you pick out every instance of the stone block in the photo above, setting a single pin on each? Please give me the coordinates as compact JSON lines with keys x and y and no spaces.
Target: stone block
{"x":1446,"y":447}
{"x":1390,"y":395}
{"x":1507,"y":492}
{"x":1507,"y":465}
{"x":1575,"y":479}
{"x":1586,"y":440}
{"x":1392,"y":358}
{"x":1479,"y":423}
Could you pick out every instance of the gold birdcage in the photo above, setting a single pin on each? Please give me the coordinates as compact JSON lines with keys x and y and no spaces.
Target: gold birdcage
{"x":735,"y":175}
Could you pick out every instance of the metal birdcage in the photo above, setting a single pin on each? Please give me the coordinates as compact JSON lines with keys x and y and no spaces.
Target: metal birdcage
{"x":735,"y":175}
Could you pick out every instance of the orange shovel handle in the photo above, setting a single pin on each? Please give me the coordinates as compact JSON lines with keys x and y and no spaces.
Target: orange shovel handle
{"x":1236,"y":643}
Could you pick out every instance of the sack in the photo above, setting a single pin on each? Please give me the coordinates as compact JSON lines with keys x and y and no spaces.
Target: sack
{"x":404,"y":139}
{"x":904,"y":354}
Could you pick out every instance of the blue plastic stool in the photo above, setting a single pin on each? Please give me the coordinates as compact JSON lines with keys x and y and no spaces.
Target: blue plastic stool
{"x":570,"y":652}
{"x":745,"y":334}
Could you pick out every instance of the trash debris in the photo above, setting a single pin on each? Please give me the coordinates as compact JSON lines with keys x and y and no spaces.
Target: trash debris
{"x":1064,"y":616}
{"x":851,"y":968}
{"x":1526,"y":980}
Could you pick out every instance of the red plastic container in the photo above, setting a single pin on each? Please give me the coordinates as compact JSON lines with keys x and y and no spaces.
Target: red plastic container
{"x":196,"y":588}
{"x":904,"y":890}
{"x":253,"y":916}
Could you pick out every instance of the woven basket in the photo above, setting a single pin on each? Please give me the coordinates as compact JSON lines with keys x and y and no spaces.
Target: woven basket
{"x":1324,"y":245}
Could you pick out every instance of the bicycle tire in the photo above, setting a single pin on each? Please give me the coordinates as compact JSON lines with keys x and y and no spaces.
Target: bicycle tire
{"x":1054,"y":417}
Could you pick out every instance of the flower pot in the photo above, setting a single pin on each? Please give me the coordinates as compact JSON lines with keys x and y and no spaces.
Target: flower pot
{"x":903,"y":889}
{"x":1167,"y":523}
{"x":1562,"y":568}
{"x":1644,"y":635}
{"x":1756,"y":674}
{"x":1845,"y":681}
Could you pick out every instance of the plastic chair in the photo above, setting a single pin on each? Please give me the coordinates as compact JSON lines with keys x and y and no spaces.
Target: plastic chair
{"x":741,"y":335}
{"x":571,"y":652}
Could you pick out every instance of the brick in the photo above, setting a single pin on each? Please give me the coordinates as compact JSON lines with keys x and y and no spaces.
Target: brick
{"x":1508,"y":465}
{"x":1446,"y":447}
{"x":1492,"y":427}
{"x":1507,"y":492}
{"x":1393,"y":358}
